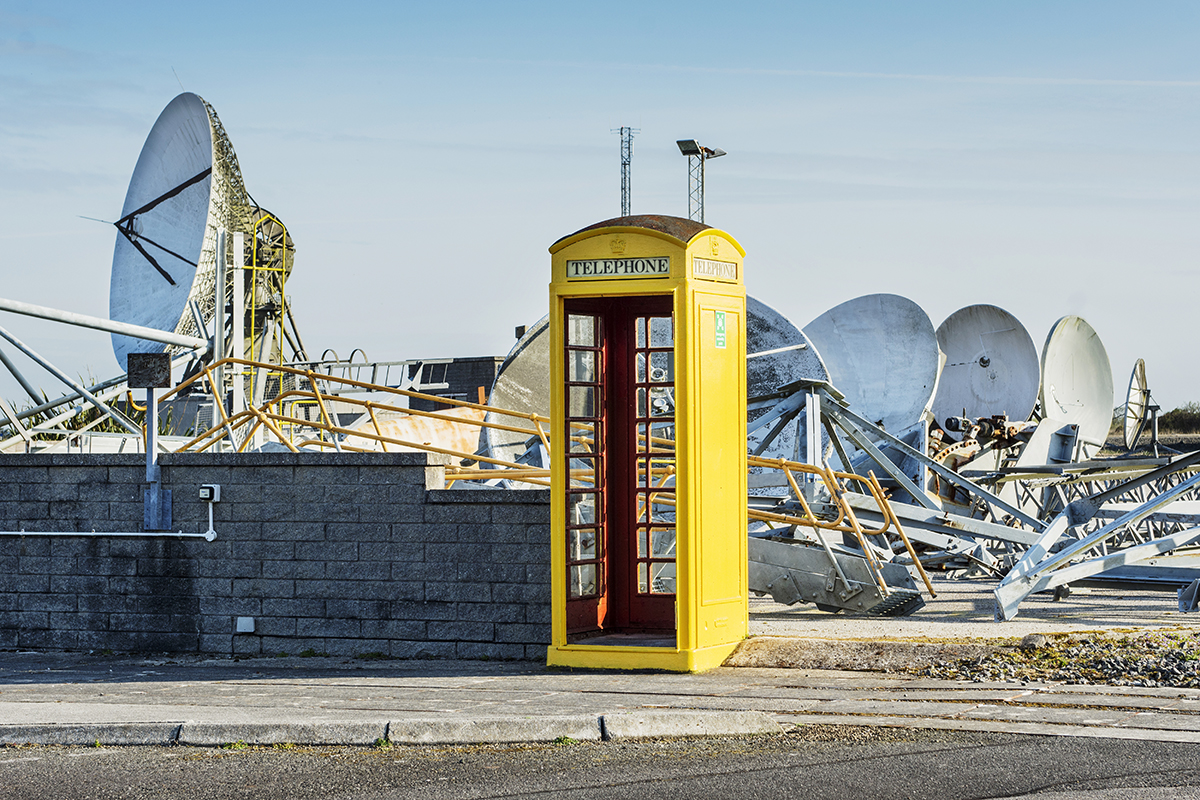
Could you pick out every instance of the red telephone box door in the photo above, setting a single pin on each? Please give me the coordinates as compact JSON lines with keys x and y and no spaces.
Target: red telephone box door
{"x":620,"y":429}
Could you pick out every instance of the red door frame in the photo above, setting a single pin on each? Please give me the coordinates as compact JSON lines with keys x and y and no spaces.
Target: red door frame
{"x":620,"y":606}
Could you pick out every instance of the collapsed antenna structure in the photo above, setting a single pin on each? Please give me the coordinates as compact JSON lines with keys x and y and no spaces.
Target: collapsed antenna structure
{"x":627,"y":135}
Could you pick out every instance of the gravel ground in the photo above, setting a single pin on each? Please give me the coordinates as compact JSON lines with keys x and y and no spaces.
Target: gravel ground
{"x":1156,"y":659}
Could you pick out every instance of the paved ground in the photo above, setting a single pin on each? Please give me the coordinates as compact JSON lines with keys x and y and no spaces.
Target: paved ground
{"x":964,"y":610}
{"x":119,"y":699}
{"x":814,"y":763}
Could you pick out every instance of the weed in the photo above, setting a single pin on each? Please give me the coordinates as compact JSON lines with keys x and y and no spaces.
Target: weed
{"x":566,"y":741}
{"x":382,"y":744}
{"x":238,"y":745}
{"x":310,"y":653}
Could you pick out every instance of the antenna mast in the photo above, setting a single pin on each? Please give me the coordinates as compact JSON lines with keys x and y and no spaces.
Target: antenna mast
{"x":626,"y":161}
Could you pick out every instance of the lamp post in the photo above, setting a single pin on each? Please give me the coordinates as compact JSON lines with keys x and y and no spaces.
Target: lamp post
{"x":697,"y":154}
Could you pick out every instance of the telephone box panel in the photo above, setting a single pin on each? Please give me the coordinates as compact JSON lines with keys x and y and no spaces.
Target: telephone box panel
{"x":648,"y":445}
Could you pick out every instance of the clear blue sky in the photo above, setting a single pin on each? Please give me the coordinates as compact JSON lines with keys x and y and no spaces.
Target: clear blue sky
{"x":1039,"y":156}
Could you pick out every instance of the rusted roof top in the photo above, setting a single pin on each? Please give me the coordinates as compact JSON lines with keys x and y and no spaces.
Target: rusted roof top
{"x":679,"y":228}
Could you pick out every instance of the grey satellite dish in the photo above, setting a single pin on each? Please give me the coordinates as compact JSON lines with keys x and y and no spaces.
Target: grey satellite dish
{"x":991,"y":366}
{"x":1077,"y":384}
{"x":522,"y":383}
{"x":1137,"y":405}
{"x":777,"y":352}
{"x":185,"y":186}
{"x":882,"y":354}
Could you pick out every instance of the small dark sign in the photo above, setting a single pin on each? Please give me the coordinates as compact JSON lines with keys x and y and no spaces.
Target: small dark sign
{"x":149,"y":370}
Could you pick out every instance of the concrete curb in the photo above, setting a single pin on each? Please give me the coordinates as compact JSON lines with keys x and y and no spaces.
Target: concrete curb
{"x":632,"y":724}
{"x":500,"y":730}
{"x":213,"y":734}
{"x":641,"y":724}
{"x":134,"y":733}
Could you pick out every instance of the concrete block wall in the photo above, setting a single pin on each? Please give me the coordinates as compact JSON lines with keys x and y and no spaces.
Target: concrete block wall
{"x":345,"y":554}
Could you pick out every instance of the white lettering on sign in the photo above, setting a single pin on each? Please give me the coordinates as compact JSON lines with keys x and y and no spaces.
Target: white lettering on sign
{"x":714,"y":270}
{"x":654,"y":267}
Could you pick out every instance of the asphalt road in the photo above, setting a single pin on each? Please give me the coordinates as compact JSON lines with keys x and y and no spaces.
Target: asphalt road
{"x":814,"y":763}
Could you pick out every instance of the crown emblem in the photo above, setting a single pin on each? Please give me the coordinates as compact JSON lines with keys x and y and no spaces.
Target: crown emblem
{"x":617,"y":245}
{"x":714,"y":246}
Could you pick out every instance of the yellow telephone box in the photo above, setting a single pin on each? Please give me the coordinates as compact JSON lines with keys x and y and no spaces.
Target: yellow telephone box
{"x":648,"y":438}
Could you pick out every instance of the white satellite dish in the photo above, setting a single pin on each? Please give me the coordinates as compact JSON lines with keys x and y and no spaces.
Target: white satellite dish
{"x":882,"y":354}
{"x":185,"y":186}
{"x":1077,"y":384}
{"x":991,"y":366}
{"x":1137,"y":405}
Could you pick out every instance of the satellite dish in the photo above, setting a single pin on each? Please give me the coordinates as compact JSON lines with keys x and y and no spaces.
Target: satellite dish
{"x":777,"y":352}
{"x":882,"y":354}
{"x":991,"y":366}
{"x":522,"y":384}
{"x":1077,"y":385}
{"x":186,"y":185}
{"x":1137,"y":405}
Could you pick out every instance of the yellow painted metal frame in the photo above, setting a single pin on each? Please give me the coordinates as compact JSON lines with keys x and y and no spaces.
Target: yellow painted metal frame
{"x":266,"y":262}
{"x":710,"y":428}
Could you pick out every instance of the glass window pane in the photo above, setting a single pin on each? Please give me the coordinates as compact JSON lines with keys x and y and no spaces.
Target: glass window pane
{"x":662,"y":578}
{"x":641,"y":368}
{"x":581,"y":330}
{"x":583,"y":473}
{"x":583,"y":438}
{"x":662,"y":402}
{"x":643,"y":550}
{"x":641,"y":403}
{"x":661,"y":470}
{"x":662,"y":542}
{"x":643,"y":578}
{"x":581,"y":401}
{"x":662,"y":436}
{"x":662,"y":512}
{"x":582,"y":544}
{"x":660,"y":367}
{"x":581,"y":366}
{"x":662,"y":332}
{"x":640,"y":326}
{"x":583,"y":581}
{"x":581,"y":508}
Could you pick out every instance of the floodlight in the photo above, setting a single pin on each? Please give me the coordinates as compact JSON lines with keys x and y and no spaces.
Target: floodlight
{"x":690,"y":147}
